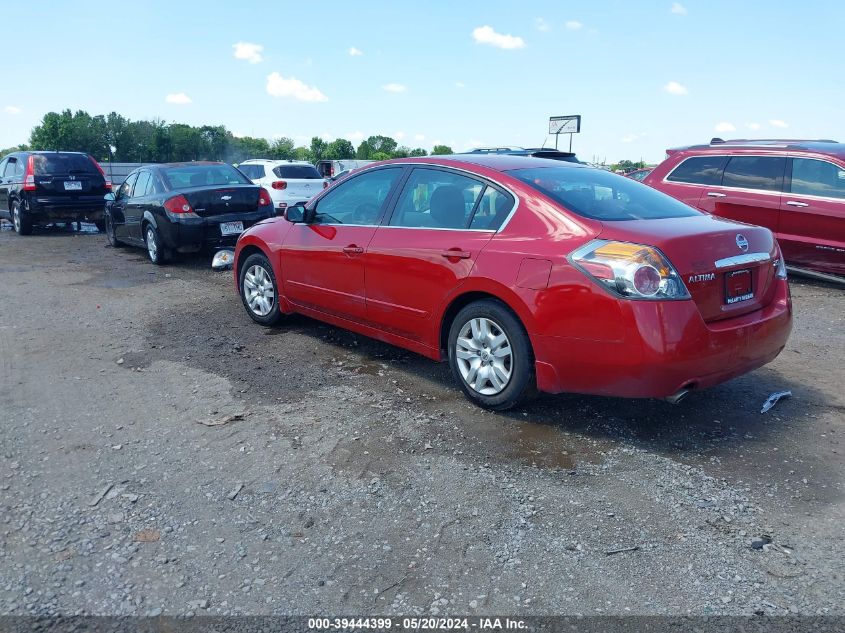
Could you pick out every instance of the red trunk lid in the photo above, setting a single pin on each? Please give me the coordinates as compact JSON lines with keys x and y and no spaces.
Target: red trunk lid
{"x":727,"y":267}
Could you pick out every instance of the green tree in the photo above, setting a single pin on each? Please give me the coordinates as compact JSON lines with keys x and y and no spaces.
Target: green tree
{"x":382,"y":144}
{"x":401,"y":152}
{"x":318,"y":149}
{"x":441,"y":149}
{"x":418,"y":151}
{"x":302,"y":153}
{"x":339,"y":149}
{"x":17,"y":148}
{"x":364,"y":151}
{"x":380,"y":156}
{"x":282,"y":149}
{"x":246,"y":147}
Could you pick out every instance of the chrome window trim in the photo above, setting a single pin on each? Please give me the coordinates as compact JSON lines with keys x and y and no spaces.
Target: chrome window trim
{"x":434,"y":228}
{"x":738,"y":260}
{"x":729,"y":156}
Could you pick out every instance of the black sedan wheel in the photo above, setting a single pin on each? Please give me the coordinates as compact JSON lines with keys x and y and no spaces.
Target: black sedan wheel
{"x":158,"y":254}
{"x":109,"y":231}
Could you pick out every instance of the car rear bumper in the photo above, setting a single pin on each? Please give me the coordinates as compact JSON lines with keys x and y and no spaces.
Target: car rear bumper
{"x":58,"y":209}
{"x":667,"y":347}
{"x":193,"y":234}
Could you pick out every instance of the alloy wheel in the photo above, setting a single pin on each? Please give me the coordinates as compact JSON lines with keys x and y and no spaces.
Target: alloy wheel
{"x":258,"y":290}
{"x":484,"y":356}
{"x":16,"y":217}
{"x":152,"y":244}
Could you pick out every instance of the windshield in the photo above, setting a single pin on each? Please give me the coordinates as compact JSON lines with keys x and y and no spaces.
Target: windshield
{"x":601,"y":195}
{"x":203,"y":175}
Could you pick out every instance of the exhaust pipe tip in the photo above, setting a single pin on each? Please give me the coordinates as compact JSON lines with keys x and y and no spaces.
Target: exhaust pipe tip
{"x":676,"y":398}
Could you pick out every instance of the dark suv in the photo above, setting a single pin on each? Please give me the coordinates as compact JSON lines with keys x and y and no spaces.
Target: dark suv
{"x":795,"y":188}
{"x":47,"y":187}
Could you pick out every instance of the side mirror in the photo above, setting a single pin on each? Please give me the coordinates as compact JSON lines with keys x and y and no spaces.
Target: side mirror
{"x":299,"y":214}
{"x":109,"y":197}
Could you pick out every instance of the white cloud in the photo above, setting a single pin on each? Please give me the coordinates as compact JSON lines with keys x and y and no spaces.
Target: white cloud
{"x":725,"y":126}
{"x":395,"y":88}
{"x":399,"y":135}
{"x":541,"y":25}
{"x":10,"y":109}
{"x":573,"y":25}
{"x":630,"y":138}
{"x":357,"y":135}
{"x":460,"y":84}
{"x":778,"y":123}
{"x":178,"y":98}
{"x":419,"y":137}
{"x":678,"y":9}
{"x":355,"y":52}
{"x":674,"y":88}
{"x":486,"y":35}
{"x":753,"y":126}
{"x":248,"y":52}
{"x":278,"y":86}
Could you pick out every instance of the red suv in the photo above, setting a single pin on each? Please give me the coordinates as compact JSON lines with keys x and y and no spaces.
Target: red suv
{"x":794,"y":188}
{"x":526,"y":272}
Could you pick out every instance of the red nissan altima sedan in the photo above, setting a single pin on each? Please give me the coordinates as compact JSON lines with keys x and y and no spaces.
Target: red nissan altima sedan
{"x":526,"y":273}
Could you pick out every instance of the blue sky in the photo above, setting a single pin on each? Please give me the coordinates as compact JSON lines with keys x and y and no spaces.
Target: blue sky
{"x":644,"y":75}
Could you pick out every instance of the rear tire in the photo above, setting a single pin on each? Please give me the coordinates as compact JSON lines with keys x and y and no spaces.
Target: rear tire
{"x":21,"y":220}
{"x":155,"y":249}
{"x":490,"y":355}
{"x":259,"y":290}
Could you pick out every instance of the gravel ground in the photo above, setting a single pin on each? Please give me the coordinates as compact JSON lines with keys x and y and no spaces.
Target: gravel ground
{"x":163,"y":454}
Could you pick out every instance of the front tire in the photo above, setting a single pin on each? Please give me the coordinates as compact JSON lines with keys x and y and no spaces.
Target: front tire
{"x":259,"y":290}
{"x":108,"y":229}
{"x":21,"y":220}
{"x":155,"y":249}
{"x":490,"y":355}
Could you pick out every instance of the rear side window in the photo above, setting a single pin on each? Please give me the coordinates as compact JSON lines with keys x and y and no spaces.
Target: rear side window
{"x":253,"y":172}
{"x":601,"y":195}
{"x":494,"y":207}
{"x":302,"y":172}
{"x":755,"y":172}
{"x":59,"y":163}
{"x":437,"y":199}
{"x":203,"y":176}
{"x":699,"y":170}
{"x":812,"y":177}
{"x":11,"y":168}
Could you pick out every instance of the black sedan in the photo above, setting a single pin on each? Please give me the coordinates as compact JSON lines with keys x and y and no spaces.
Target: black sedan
{"x":184,"y":207}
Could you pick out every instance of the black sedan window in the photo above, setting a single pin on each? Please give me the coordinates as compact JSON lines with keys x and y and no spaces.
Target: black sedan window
{"x":601,"y":195}
{"x":203,"y":176}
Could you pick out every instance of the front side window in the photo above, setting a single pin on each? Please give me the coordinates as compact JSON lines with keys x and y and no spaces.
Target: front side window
{"x":754,"y":172}
{"x":359,"y":200}
{"x":601,"y":195}
{"x":126,"y":187}
{"x":699,"y":170}
{"x":253,"y":172}
{"x":437,"y":199}
{"x":812,"y":177}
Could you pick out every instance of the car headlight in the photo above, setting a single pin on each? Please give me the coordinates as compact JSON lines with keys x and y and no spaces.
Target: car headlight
{"x":634,"y":271}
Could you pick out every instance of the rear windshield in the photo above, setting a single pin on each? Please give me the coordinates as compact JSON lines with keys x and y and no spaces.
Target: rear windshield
{"x":306,"y":172}
{"x":601,"y":195}
{"x":253,"y":172}
{"x":203,"y":175}
{"x":60,"y":163}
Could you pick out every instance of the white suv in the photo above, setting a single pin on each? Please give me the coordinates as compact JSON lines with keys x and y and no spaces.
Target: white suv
{"x":288,"y":181}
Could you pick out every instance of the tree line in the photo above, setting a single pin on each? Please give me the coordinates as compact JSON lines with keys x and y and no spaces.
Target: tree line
{"x":114,"y":137}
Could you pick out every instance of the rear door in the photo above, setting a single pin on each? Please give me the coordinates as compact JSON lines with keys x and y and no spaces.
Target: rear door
{"x":812,"y":221}
{"x":750,"y":191}
{"x":117,"y":209}
{"x":322,"y":263}
{"x":134,"y":210}
{"x":428,"y":247}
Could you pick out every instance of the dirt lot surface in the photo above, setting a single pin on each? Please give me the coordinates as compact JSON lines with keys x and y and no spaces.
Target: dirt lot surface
{"x":349,"y":477}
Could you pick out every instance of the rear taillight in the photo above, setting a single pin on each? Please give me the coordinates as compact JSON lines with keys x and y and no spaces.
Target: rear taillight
{"x":102,"y":173}
{"x":264,"y":198}
{"x":780,"y":265}
{"x":178,"y":205}
{"x":29,"y":175}
{"x":628,"y":270}
{"x":279,"y":184}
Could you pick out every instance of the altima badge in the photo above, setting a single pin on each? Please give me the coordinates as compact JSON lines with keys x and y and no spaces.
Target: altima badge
{"x":741,"y":242}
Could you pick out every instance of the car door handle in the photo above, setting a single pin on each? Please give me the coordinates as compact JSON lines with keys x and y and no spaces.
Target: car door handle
{"x":456,"y":253}
{"x":795,"y":203}
{"x":353,"y":250}
{"x":716,"y":194}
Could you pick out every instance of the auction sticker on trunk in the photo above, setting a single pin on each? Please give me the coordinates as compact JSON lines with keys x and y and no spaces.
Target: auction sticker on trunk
{"x":231,"y":228}
{"x":738,"y":286}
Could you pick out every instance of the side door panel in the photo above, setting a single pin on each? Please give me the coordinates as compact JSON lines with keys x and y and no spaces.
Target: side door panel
{"x":322,"y":263}
{"x":134,"y":211}
{"x":424,"y":252}
{"x":117,"y":209}
{"x":812,"y":225}
{"x":5,"y":184}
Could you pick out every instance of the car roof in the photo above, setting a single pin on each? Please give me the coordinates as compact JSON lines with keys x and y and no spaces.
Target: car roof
{"x":191,"y":163}
{"x":273,"y":161}
{"x":496,"y":162}
{"x":820,"y":146}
